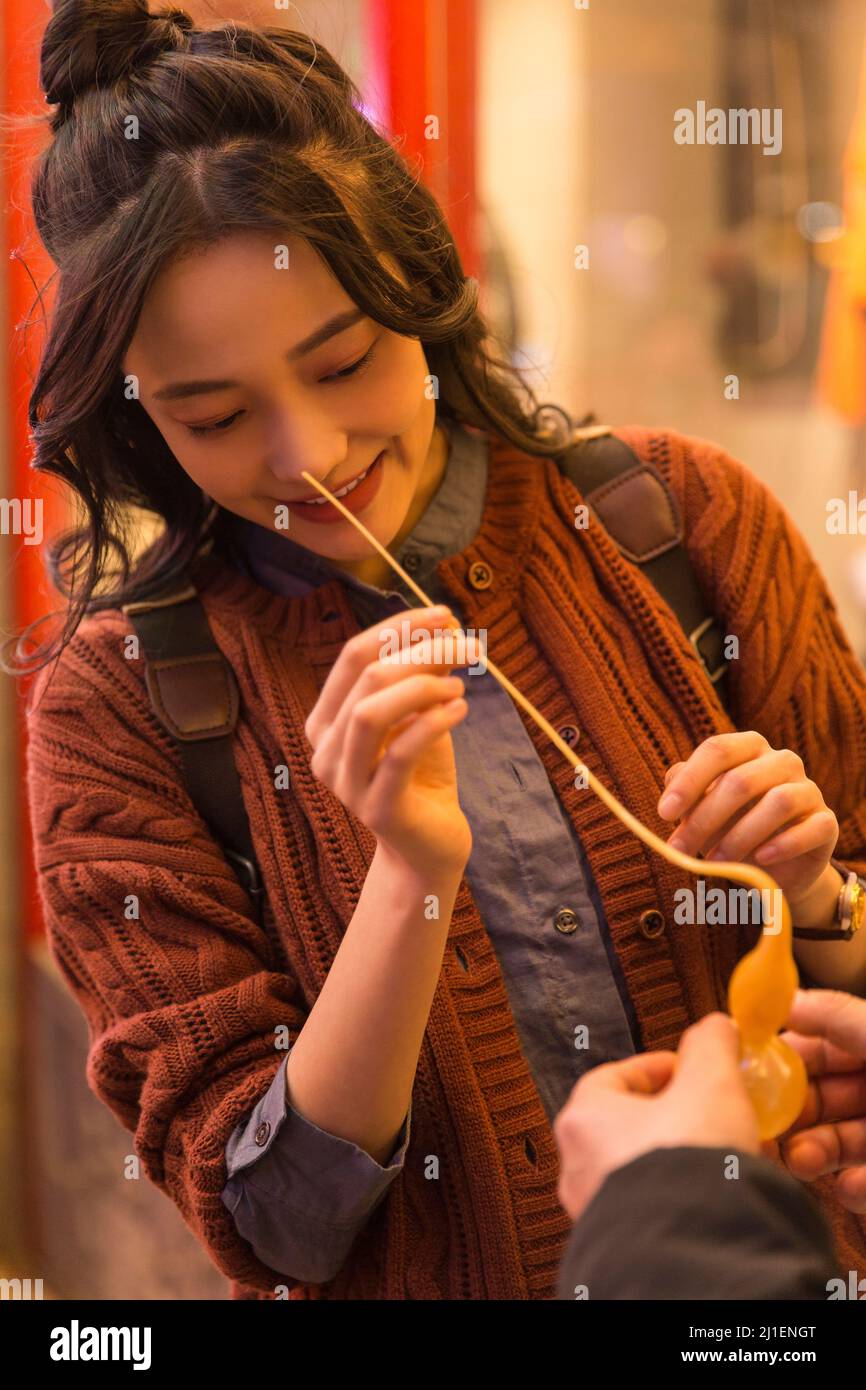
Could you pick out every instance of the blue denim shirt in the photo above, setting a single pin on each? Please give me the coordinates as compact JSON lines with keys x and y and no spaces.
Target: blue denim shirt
{"x":300,"y":1195}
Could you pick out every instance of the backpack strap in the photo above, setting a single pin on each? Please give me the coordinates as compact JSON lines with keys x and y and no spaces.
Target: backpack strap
{"x":639,"y":510}
{"x":194,"y":695}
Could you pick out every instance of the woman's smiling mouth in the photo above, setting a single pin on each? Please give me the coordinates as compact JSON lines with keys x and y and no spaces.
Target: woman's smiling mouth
{"x":355,"y":495}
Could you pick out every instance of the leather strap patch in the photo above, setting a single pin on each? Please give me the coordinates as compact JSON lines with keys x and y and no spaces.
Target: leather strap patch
{"x":196,"y":696}
{"x":639,"y":509}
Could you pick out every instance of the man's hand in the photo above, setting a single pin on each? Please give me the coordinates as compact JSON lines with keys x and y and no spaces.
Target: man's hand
{"x":621,"y":1110}
{"x":829,"y":1032}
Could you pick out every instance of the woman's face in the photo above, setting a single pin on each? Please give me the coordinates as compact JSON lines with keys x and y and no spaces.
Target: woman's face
{"x":249,"y":381}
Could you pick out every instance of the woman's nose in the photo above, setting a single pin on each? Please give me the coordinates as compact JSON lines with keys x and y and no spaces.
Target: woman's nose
{"x":311,"y":445}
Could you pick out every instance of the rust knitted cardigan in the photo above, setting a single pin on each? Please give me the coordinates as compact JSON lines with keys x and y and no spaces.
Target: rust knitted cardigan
{"x":182,"y":1003}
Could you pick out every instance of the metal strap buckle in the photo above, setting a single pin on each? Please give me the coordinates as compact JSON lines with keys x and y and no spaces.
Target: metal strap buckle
{"x":694,"y":638}
{"x":250,"y":871}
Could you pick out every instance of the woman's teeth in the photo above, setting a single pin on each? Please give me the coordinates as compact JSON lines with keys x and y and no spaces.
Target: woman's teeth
{"x":350,"y":487}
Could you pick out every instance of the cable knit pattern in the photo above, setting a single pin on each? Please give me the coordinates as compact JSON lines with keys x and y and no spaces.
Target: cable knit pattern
{"x":182,"y":1000}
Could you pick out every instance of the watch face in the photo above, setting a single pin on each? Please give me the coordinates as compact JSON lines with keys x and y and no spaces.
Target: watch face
{"x":858,"y":905}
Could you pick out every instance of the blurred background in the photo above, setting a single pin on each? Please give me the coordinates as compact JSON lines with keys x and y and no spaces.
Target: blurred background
{"x":721,"y":293}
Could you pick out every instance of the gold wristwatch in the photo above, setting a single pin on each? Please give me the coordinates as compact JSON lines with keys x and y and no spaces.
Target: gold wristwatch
{"x":850,"y":911}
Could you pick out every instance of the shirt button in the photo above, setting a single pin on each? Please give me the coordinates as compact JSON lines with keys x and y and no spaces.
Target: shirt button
{"x":411,"y":562}
{"x":480,"y":575}
{"x":566,"y":921}
{"x":569,"y":733}
{"x":263,"y":1134}
{"x":651,"y":923}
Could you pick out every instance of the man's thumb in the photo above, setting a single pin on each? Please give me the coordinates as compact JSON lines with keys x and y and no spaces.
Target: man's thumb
{"x":710,"y":1048}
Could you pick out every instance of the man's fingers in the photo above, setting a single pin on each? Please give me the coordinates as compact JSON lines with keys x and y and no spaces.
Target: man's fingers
{"x":644,"y":1074}
{"x":834,"y":1097}
{"x":851,"y":1189}
{"x":821,"y":1057}
{"x":809,"y":1155}
{"x":709,"y":1048}
{"x":825,"y":1149}
{"x":831,"y":1014}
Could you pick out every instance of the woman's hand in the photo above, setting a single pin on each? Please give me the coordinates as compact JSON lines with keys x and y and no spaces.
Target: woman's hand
{"x":621,"y":1110}
{"x":742,"y":800}
{"x":380,"y":731}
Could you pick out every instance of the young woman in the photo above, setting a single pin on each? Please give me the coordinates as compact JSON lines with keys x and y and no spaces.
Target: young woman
{"x":354,"y":1096}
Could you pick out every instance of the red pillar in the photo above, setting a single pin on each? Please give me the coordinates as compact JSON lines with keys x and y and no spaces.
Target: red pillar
{"x":26,"y":268}
{"x":423,"y":63}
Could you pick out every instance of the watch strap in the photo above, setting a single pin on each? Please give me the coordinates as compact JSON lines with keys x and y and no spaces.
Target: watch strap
{"x":847,"y":924}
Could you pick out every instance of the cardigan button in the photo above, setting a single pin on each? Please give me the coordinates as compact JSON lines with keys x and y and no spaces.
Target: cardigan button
{"x":480,"y":575}
{"x":566,"y":921}
{"x":570,"y":734}
{"x":263,"y":1134}
{"x":652,"y":923}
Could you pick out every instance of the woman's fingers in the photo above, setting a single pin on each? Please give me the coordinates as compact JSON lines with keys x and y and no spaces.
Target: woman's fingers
{"x":721,"y":813}
{"x":709,"y":760}
{"x":397,"y":763}
{"x":405,"y":672}
{"x":357,"y":654}
{"x":773,"y":819}
{"x":349,"y":753}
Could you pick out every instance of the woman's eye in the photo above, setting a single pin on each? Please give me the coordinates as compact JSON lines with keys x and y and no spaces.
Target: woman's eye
{"x":354,"y":368}
{"x":220,"y":425}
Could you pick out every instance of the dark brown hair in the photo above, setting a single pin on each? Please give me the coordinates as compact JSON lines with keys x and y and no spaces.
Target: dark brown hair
{"x":166,"y":139}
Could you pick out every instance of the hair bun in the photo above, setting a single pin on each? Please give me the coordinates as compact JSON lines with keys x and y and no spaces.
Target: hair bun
{"x":179,"y":17}
{"x":90,"y":43}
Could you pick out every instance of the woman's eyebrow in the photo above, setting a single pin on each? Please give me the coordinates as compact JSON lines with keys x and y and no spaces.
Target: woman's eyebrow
{"x":337,"y":324}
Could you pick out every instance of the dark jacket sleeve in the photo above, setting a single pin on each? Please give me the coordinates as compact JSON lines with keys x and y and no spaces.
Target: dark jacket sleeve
{"x":672,"y":1225}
